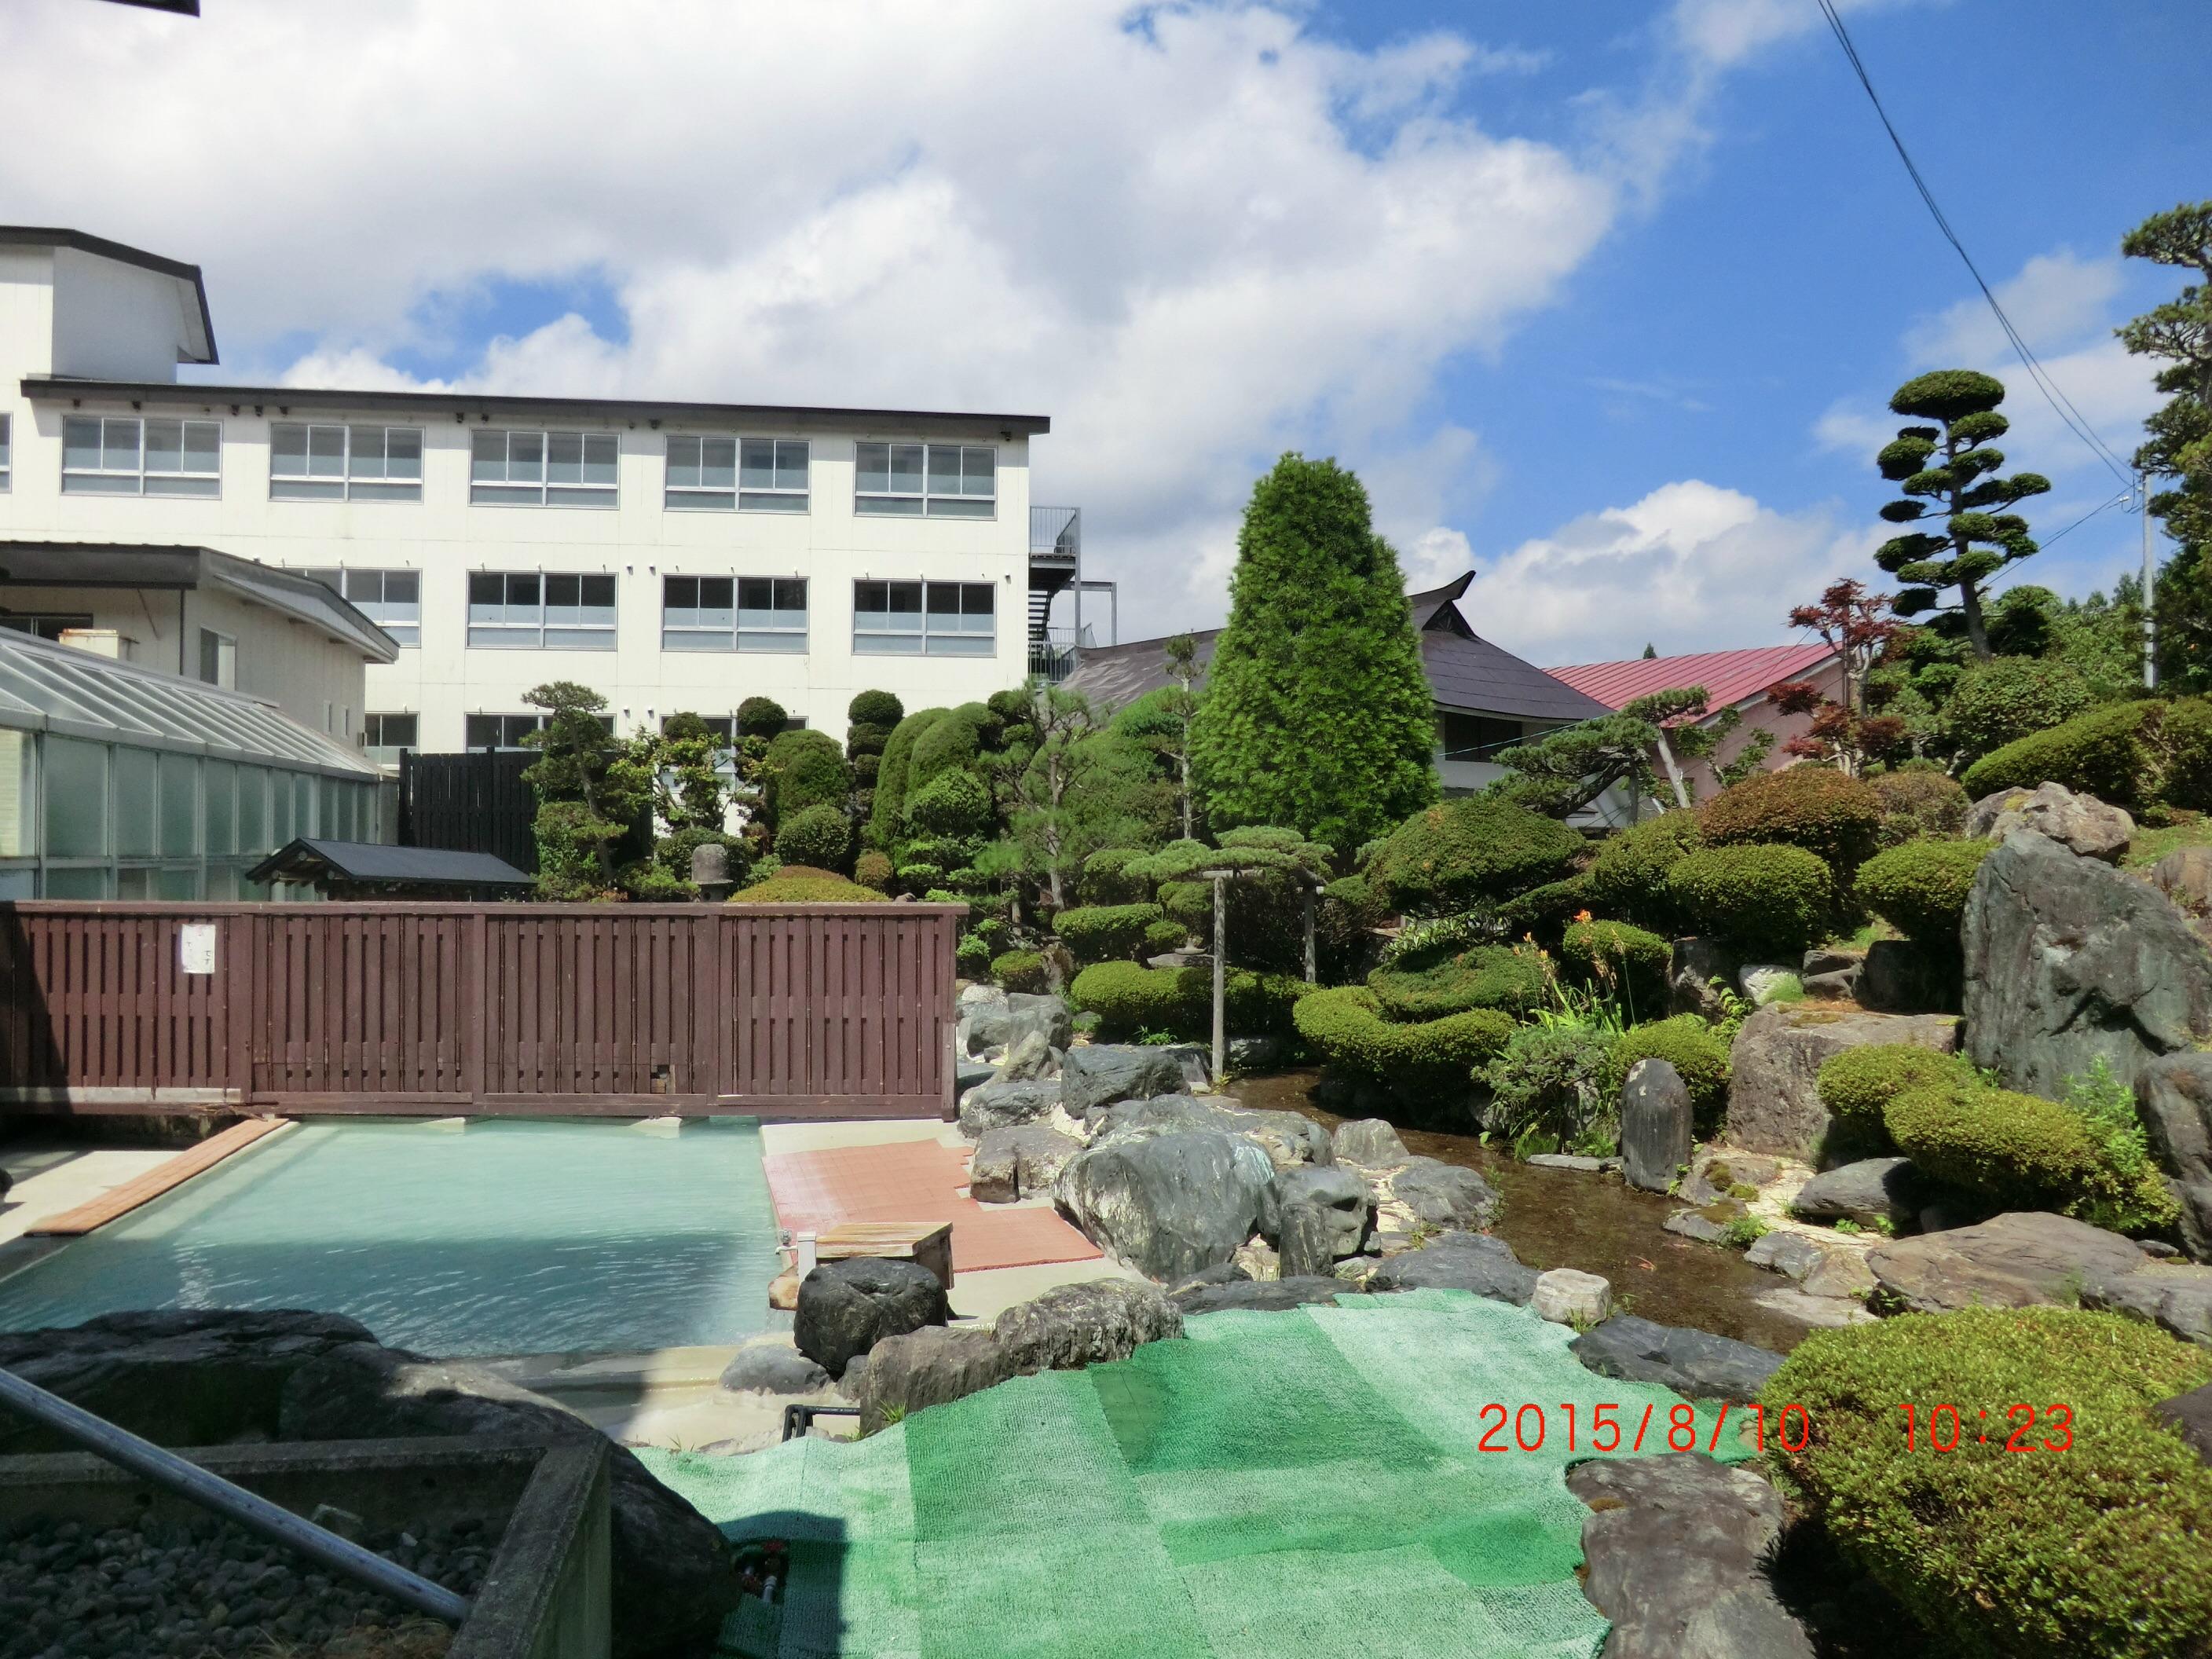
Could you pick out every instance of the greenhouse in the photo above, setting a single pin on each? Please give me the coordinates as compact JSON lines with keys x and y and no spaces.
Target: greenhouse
{"x":120,"y":782}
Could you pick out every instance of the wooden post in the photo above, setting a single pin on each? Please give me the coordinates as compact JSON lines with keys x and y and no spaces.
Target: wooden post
{"x":1220,"y":970}
{"x":1312,"y":976}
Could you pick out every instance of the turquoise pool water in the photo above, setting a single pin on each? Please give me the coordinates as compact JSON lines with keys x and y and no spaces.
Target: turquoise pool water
{"x":497,"y":1237}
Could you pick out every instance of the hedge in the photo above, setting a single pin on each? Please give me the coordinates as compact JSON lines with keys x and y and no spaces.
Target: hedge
{"x":1450,"y":856}
{"x":1836,"y":818}
{"x":1858,"y":1085}
{"x":1628,"y":876}
{"x":1487,"y":977}
{"x":1691,"y":1048}
{"x":804,"y":769}
{"x":1019,"y":970}
{"x":1613,"y":953}
{"x":1104,"y":933}
{"x":2131,"y":754}
{"x":2007,"y":698}
{"x":1772,"y":897}
{"x":1129,"y":997}
{"x":1344,"y":1025}
{"x":1106,"y":879}
{"x":1920,"y":888}
{"x":800,"y":883}
{"x":2093,"y":1553}
{"x":819,"y":836}
{"x":1917,"y":802}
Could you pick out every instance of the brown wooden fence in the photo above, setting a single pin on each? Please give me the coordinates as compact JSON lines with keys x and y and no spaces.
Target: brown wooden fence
{"x":798,"y":1010}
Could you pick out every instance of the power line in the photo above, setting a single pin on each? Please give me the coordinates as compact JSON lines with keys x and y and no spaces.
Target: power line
{"x":2061,"y":405}
{"x":2110,"y":501}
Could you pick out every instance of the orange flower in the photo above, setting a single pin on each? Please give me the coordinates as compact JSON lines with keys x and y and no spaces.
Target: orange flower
{"x":1581,"y":915}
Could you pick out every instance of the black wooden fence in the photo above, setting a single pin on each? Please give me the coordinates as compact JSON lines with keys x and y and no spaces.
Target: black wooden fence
{"x":474,"y":802}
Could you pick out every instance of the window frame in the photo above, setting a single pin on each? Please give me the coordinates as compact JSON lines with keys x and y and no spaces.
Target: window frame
{"x":374,"y":736}
{"x":926,"y":502}
{"x":762,"y":639}
{"x":868,"y":641}
{"x":537,"y":723}
{"x":738,"y":495}
{"x":506,"y":490}
{"x":481,"y":635}
{"x":406,"y":631}
{"x":142,"y":474}
{"x":346,"y":485}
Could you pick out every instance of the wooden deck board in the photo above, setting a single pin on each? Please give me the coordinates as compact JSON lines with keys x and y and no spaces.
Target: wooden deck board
{"x":121,"y":1200}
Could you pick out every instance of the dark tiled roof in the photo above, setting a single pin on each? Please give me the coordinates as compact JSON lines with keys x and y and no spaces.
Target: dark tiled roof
{"x":1466,"y":671}
{"x":360,"y":860}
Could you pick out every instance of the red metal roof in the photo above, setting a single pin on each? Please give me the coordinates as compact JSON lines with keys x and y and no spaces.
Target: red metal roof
{"x":1729,"y":677}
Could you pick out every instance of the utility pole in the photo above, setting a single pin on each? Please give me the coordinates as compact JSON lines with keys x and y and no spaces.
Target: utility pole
{"x":2149,"y":586}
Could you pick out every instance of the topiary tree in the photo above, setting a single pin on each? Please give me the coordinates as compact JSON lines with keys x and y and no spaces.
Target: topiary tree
{"x":1612,"y":954}
{"x":1159,"y":722}
{"x":879,"y":710}
{"x":953,"y":804}
{"x":820,"y":836}
{"x":1628,"y":875}
{"x":1920,"y":888}
{"x":804,"y":768}
{"x":1770,"y":898}
{"x":1918,"y":800}
{"x":761,"y":717}
{"x":1837,"y":817}
{"x":887,"y":812}
{"x":1317,"y":713}
{"x":1069,"y":788}
{"x":1950,"y":469}
{"x":1567,"y":769}
{"x":1464,"y":852}
{"x":594,"y":793}
{"x":2006,"y":698}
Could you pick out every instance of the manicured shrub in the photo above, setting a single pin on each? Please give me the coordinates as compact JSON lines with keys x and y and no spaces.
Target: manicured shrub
{"x":1613,"y":955}
{"x":1858,"y":1085}
{"x":1547,"y":1091}
{"x":1104,"y":933}
{"x":1542,"y":912}
{"x":1485,"y":976}
{"x":1190,"y":903}
{"x":761,"y":717}
{"x":1919,"y":801}
{"x":1920,"y":889}
{"x":881,"y":709}
{"x":950,"y":743}
{"x":865,"y":767}
{"x":919,"y":877}
{"x":1106,"y":879}
{"x":1768,"y":898}
{"x":1462,"y":852}
{"x":819,"y":836}
{"x":1691,"y":1048}
{"x":887,"y":813}
{"x":1628,"y":876}
{"x":2095,"y":1552}
{"x":972,"y":956}
{"x":800,"y":884}
{"x":804,"y":769}
{"x":2151,"y":753}
{"x":873,"y":870}
{"x":951,"y":804}
{"x":1835,"y":819}
{"x":1162,"y":936}
{"x":1345,"y":1026}
{"x":1019,"y":970}
{"x":1356,"y":897}
{"x":1129,"y":997}
{"x":2007,"y":698}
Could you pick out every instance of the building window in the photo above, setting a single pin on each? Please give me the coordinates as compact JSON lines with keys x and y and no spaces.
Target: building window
{"x":508,"y":731}
{"x":733,"y":613}
{"x":218,"y":659}
{"x":342,"y":463}
{"x":525,"y":611}
{"x":938,"y":619}
{"x":759,"y":475}
{"x":945,"y":481}
{"x":114,"y":455}
{"x":392,"y":599}
{"x":1474,"y":736}
{"x":542,"y":469}
{"x":7,"y":453}
{"x":43,"y":625}
{"x":391,"y":731}
{"x":723,"y":727}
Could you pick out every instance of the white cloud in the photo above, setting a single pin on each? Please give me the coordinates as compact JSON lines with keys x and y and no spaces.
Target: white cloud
{"x":1724,"y":33}
{"x":1691,"y":567}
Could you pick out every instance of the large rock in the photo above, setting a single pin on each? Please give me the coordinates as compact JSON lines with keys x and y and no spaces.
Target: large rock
{"x":2069,"y":961}
{"x":673,"y":1577}
{"x":1773,"y":1104}
{"x":1102,"y":1074}
{"x":1677,"y":1547}
{"x":1901,"y":977}
{"x":1870,"y":1191}
{"x":846,"y":1308}
{"x":2189,"y":1416}
{"x":2185,"y":875}
{"x":1824,"y":1270}
{"x":927,"y":1367}
{"x":1021,"y":1160}
{"x":1568,"y":1296}
{"x":1444,"y":1194}
{"x":1370,"y":1142}
{"x":1287,"y":1138}
{"x":1339,"y":1197}
{"x":1654,"y":1125}
{"x":1696,"y":963}
{"x":1693,"y":1363}
{"x":1169,"y":1205}
{"x":1252,"y":1295}
{"x":1459,"y":1261}
{"x":2081,"y":823}
{"x":994,"y":1105}
{"x":2173,"y":1097}
{"x":772,"y":1365}
{"x":1029,"y":1058}
{"x":1072,"y":1326}
{"x":1002,"y":1024}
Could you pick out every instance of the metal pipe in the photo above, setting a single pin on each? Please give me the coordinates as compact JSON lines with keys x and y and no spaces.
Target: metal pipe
{"x":150,"y":1463}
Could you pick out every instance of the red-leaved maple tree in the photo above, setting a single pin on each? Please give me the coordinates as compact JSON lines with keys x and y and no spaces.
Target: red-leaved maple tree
{"x":1858,"y":625}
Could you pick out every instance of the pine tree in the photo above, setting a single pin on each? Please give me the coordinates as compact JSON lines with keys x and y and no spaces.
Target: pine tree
{"x":1317,"y":715}
{"x":1951,"y":466}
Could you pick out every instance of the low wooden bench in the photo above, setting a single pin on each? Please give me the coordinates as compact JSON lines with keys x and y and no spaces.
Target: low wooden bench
{"x":927,"y":1243}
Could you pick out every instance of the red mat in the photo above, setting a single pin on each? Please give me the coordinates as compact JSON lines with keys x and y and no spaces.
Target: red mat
{"x":916,"y":1180}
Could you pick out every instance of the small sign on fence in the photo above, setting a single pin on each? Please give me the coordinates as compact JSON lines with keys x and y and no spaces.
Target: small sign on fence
{"x":196,"y":947}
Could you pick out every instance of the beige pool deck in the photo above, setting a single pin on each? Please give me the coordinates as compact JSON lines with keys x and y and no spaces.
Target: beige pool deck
{"x":53,"y":1178}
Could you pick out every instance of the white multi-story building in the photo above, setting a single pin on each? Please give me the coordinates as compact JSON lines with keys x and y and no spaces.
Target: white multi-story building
{"x":670,"y":556}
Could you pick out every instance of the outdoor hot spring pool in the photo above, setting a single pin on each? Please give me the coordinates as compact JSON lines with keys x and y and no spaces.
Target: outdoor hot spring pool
{"x":494,"y":1237}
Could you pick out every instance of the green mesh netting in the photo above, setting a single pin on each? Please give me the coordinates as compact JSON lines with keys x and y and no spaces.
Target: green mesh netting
{"x":1279,"y":1483}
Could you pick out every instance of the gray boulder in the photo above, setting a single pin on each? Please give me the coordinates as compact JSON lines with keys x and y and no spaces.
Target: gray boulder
{"x":1765,"y":981}
{"x":1021,"y":1160}
{"x":2069,"y":961}
{"x":1169,"y":1205}
{"x":994,"y":1105}
{"x":1654,"y":1125}
{"x":2173,"y":1097}
{"x":1370,"y":1142}
{"x":773,"y":1366}
{"x":1901,"y":977}
{"x":1568,"y":1296}
{"x":1459,"y":1261}
{"x":1287,"y":1138}
{"x":2189,"y":1416}
{"x":1696,"y":1225}
{"x":2018,"y":1260}
{"x":846,"y":1308}
{"x":1828,"y":1270}
{"x":1317,"y":1214}
{"x":1102,"y":1073}
{"x":1696,"y":963}
{"x":2185,"y":875}
{"x":930,"y":1366}
{"x":993,"y":1023}
{"x":673,"y":1577}
{"x":1676,"y":1547}
{"x":1253,"y":1296}
{"x":2176,"y":1298}
{"x":969,"y":1075}
{"x":1869,"y":1191}
{"x":2081,"y":823}
{"x":1029,"y":1058}
{"x":1773,"y":1104}
{"x":1693,"y":1363}
{"x":1444,"y":1194}
{"x":1072,"y":1326}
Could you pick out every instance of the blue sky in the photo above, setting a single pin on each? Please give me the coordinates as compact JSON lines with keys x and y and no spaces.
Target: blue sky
{"x":1603,"y":299}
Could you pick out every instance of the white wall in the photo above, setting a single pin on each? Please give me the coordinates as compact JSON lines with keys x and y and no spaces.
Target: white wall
{"x":114,"y":321}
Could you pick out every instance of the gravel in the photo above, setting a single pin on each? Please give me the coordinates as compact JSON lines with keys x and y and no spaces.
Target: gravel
{"x":192,"y":1589}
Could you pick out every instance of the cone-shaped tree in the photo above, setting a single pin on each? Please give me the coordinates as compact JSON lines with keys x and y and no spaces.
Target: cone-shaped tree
{"x":1951,"y":470}
{"x":2177,"y":449}
{"x":1317,"y":715}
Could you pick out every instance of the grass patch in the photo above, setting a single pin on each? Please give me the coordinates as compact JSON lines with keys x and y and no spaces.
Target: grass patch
{"x":2149,"y":846}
